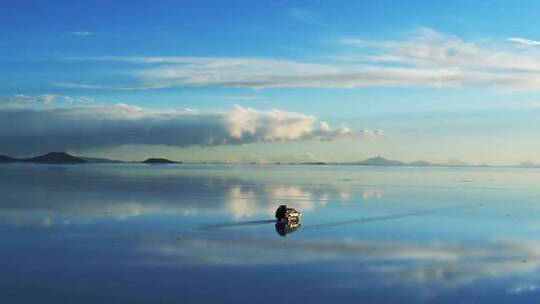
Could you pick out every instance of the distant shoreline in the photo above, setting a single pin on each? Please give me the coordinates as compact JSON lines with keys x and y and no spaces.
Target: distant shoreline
{"x":63,"y":158}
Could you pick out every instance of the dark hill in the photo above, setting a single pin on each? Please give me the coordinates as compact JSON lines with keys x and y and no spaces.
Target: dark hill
{"x":380,"y":161}
{"x":420,"y":163}
{"x":7,"y":159}
{"x":315,"y":163}
{"x":159,"y":161}
{"x":55,"y":158}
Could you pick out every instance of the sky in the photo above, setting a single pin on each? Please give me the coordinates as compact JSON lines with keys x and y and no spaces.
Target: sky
{"x":272,"y":81}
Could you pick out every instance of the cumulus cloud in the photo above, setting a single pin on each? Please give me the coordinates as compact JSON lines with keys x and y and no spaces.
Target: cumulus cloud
{"x":369,"y":134}
{"x":426,"y":58}
{"x":25,"y":130}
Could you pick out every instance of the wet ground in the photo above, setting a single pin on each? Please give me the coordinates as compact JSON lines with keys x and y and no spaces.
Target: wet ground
{"x":205,"y":234}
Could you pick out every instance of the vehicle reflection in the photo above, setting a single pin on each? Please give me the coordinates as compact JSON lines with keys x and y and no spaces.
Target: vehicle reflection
{"x":285,"y":227}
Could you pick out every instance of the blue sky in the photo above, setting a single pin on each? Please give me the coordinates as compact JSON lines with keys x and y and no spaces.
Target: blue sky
{"x":273,"y":80}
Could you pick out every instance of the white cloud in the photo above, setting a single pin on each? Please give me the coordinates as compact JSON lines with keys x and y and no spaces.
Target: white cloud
{"x":123,"y":87}
{"x":427,"y":58}
{"x":432,"y":49}
{"x":369,"y":134}
{"x":81,"y":33}
{"x":524,"y":41}
{"x":22,"y":100}
{"x":243,"y":98}
{"x":269,"y":73}
{"x":303,"y":15}
{"x":26,"y":130}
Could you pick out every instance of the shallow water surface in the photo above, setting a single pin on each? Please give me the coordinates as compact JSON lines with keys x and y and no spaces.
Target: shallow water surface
{"x":204,"y":234}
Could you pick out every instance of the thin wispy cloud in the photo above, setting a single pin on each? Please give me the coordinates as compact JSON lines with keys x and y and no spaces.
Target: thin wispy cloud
{"x":244,"y":98}
{"x":268,"y":73}
{"x":303,"y":15}
{"x":24,"y":100}
{"x":29,"y":130}
{"x":81,"y":33}
{"x":524,"y":41}
{"x":428,"y":59}
{"x":116,"y":87}
{"x":431,"y":49}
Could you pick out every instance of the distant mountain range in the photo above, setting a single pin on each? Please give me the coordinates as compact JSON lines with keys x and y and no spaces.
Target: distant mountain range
{"x":65,"y":158}
{"x":379,"y":161}
{"x":383,"y":162}
{"x":529,"y":164}
{"x":49,"y":158}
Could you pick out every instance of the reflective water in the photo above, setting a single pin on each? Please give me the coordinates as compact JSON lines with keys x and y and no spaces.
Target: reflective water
{"x":204,"y":234}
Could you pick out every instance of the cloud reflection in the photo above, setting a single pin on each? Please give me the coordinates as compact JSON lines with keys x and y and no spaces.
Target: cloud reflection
{"x":246,"y":202}
{"x":522,"y":288}
{"x":35,"y":195}
{"x":430,"y":261}
{"x":432,"y":267}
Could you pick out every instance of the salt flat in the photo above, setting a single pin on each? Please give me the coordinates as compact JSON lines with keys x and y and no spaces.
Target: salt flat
{"x":203,"y":233}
